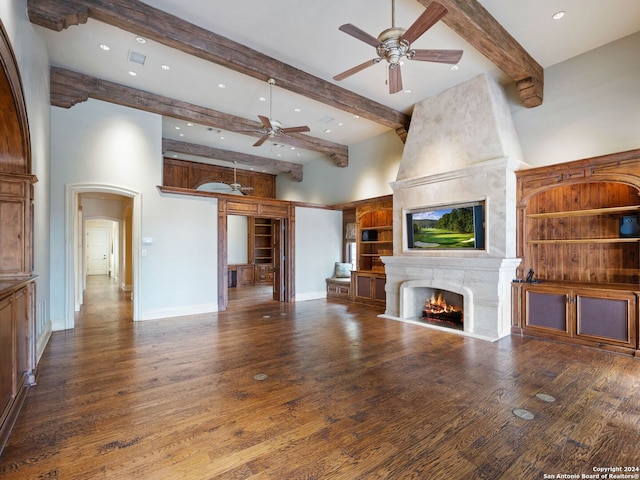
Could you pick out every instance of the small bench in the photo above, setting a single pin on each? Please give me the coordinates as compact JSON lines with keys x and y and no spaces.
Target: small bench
{"x":339,"y":286}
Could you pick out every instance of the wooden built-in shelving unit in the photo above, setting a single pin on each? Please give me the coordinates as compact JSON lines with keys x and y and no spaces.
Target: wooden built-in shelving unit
{"x":586,"y":272}
{"x":261,"y":245}
{"x":374,"y":223}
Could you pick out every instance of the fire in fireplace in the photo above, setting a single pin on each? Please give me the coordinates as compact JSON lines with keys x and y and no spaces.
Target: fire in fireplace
{"x":444,"y":309}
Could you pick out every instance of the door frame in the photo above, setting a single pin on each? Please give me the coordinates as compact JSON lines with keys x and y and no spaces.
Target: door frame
{"x":73,"y":226}
{"x":263,"y":208}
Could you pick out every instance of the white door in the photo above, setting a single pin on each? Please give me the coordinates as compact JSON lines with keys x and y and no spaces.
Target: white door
{"x":97,"y":251}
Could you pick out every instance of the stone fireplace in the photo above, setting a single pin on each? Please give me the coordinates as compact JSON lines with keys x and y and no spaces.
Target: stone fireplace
{"x":461,"y":148}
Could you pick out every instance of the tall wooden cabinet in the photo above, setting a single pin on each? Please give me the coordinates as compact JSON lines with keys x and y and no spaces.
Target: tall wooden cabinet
{"x":374,"y":224}
{"x":578,"y":235}
{"x":17,"y":288}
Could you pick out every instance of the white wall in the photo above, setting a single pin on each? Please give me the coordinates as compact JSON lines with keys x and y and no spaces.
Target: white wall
{"x":237,"y":240}
{"x":591,"y":107}
{"x":318,"y":235}
{"x":33,"y":62}
{"x":373,"y":164}
{"x":101,"y":143}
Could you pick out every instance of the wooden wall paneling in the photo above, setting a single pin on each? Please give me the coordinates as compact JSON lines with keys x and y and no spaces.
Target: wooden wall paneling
{"x":293,"y":170}
{"x":187,"y":174}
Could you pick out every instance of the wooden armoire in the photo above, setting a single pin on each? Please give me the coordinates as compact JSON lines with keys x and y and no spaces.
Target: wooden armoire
{"x":17,"y":287}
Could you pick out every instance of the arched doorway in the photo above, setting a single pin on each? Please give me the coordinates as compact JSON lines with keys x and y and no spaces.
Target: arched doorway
{"x":74,"y":276}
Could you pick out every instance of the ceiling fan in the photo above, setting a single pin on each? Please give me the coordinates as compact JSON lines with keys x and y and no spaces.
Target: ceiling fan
{"x":230,"y":188}
{"x":272,"y":128}
{"x":394,"y":44}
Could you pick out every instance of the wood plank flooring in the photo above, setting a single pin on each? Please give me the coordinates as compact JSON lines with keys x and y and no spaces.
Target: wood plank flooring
{"x":347,"y":396}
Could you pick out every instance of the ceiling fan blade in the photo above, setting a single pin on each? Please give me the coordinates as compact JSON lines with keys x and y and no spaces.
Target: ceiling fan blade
{"x":356,"y":69}
{"x":295,"y":129}
{"x":424,"y":22}
{"x":395,"y":78}
{"x":266,"y":123}
{"x":261,"y":140}
{"x":354,"y":31}
{"x":440,"y":56}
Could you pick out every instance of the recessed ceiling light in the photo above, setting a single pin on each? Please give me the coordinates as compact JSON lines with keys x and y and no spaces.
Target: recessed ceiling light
{"x":176,"y":127}
{"x":165,"y":67}
{"x":296,"y":109}
{"x":222,"y":85}
{"x":407,"y":91}
{"x":293,"y":148}
{"x":105,"y":47}
{"x":356,"y":116}
{"x":340,"y":124}
{"x":262,"y":99}
{"x":558,"y":15}
{"x":141,"y":40}
{"x":132,"y":73}
{"x":328,"y":130}
{"x":182,"y":134}
{"x":189,"y":124}
{"x":455,"y":67}
{"x":221,"y":138}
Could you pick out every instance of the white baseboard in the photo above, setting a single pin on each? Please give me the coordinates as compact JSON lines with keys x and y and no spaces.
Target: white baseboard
{"x":43,"y":340}
{"x":301,"y":297}
{"x":159,"y":313}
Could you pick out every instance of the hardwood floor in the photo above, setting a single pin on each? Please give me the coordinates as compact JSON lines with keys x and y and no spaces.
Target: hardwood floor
{"x":347,"y":396}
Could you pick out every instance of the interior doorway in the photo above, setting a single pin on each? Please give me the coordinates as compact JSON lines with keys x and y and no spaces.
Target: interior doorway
{"x":255,"y":260}
{"x":110,"y":208}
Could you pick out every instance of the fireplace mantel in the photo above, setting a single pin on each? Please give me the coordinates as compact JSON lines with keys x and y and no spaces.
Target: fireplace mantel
{"x":485,"y":284}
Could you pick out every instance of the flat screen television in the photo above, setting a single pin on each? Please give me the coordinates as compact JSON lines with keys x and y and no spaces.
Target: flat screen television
{"x":459,"y":226}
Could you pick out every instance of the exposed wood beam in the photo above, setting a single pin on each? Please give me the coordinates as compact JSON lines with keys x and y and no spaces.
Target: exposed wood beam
{"x":294,"y":170}
{"x":69,"y":88}
{"x":477,"y":26}
{"x":141,"y":19}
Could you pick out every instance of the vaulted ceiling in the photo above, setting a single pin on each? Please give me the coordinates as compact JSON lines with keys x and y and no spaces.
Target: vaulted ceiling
{"x":204,"y":66}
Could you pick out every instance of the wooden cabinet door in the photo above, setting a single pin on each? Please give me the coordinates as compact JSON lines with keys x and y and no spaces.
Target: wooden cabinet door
{"x":23,"y":331}
{"x":379,"y":293}
{"x":245,"y":275}
{"x":362,"y":287}
{"x":606,"y":316}
{"x":547,"y":310}
{"x":7,"y":381}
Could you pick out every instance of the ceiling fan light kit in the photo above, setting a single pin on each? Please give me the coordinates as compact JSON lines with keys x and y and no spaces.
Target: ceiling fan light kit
{"x":394,"y":44}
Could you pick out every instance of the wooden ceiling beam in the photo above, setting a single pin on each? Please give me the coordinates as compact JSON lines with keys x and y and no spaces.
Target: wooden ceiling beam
{"x":294,"y":170}
{"x":154,"y":24}
{"x":69,"y":88}
{"x":470,"y":20}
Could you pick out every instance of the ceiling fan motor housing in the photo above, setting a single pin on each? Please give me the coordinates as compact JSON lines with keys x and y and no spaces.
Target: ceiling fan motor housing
{"x":392,"y":47}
